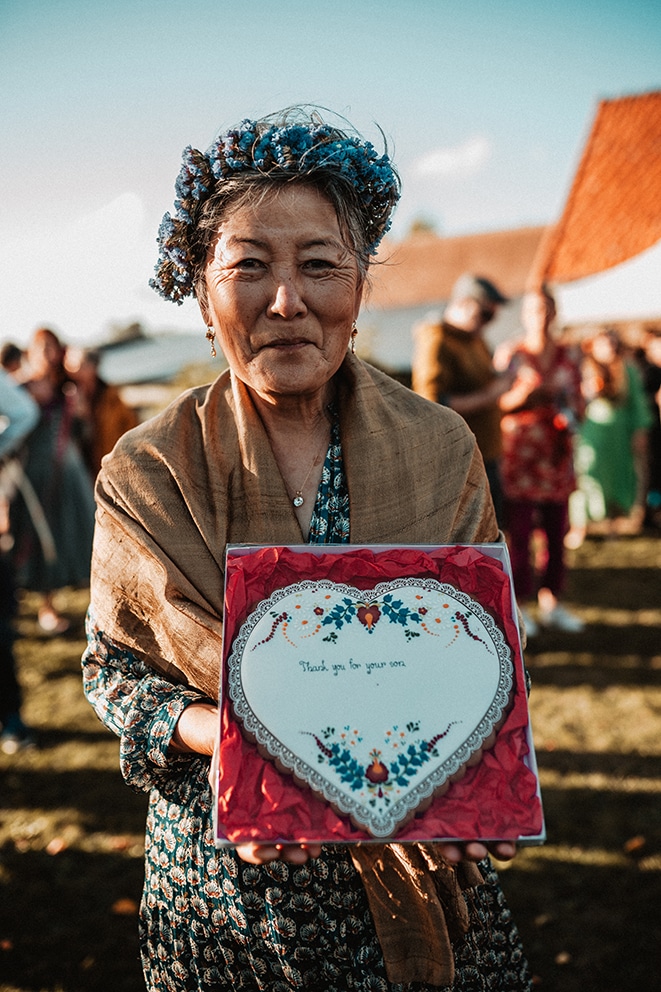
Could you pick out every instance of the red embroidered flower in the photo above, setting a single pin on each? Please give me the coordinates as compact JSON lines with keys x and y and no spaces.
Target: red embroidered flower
{"x":368,"y":615}
{"x":376,"y":771}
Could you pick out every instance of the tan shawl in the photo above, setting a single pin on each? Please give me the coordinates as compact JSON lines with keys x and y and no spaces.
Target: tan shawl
{"x":176,"y":490}
{"x":417,"y":903}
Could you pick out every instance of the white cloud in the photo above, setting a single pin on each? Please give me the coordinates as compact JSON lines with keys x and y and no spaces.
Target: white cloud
{"x":440,"y":187}
{"x":466,"y":159}
{"x":81,"y":276}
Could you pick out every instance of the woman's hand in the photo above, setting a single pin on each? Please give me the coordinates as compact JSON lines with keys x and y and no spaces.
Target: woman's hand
{"x":475,"y":851}
{"x":465,"y":403}
{"x":296,"y":854}
{"x":197,"y":732}
{"x":196,"y":729}
{"x":526,"y":390}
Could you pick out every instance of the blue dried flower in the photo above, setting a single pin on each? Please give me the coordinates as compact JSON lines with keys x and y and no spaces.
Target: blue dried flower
{"x":294,"y":148}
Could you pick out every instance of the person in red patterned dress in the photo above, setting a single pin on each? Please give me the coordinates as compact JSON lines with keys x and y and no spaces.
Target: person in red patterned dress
{"x":539,"y":411}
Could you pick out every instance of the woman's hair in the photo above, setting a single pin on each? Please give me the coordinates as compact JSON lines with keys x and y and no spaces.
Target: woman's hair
{"x":11,"y":355}
{"x":54,"y":363}
{"x":42,"y":333}
{"x":543,"y":291}
{"x":247,"y":163}
{"x":606,"y":373}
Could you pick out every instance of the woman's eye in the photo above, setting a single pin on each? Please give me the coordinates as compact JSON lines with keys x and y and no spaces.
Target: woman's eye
{"x":248,"y":264}
{"x":318,"y":264}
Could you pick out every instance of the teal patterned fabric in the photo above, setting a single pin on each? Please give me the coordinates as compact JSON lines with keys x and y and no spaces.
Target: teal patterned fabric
{"x":213,"y":923}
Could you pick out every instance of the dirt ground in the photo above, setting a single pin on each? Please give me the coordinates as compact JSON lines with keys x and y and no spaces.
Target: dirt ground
{"x":587,"y":902}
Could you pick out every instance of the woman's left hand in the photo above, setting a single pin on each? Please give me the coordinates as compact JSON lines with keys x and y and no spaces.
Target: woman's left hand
{"x":259,"y":854}
{"x":475,"y":851}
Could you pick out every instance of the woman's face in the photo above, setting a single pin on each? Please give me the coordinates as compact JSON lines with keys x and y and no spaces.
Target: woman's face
{"x":603,"y":349}
{"x":282,"y":293}
{"x":537,"y":311}
{"x":44,"y":353}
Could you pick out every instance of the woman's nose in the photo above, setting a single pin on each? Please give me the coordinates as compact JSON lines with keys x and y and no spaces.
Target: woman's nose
{"x":287,"y":297}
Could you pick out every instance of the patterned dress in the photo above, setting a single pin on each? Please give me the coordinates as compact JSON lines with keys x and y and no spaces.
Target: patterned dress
{"x":538,"y":454}
{"x":55,"y":468}
{"x":212,"y":922}
{"x":606,"y":463}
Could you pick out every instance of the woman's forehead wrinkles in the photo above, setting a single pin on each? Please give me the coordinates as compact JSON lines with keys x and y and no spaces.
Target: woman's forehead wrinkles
{"x":239,"y":240}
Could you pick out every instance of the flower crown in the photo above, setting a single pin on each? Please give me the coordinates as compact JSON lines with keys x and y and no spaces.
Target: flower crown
{"x":286,"y":150}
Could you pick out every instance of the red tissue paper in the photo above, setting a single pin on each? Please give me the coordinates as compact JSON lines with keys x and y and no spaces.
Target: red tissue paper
{"x":495,"y":799}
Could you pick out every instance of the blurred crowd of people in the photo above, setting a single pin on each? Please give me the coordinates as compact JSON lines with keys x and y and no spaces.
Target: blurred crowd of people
{"x":570,"y":432}
{"x":57,"y":419}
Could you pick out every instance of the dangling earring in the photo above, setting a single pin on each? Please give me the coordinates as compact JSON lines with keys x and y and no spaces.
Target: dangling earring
{"x":354,"y":335}
{"x":211,"y":337}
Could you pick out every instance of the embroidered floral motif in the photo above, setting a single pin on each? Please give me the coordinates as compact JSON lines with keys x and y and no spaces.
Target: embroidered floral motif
{"x":368,"y":613}
{"x":404,"y":755}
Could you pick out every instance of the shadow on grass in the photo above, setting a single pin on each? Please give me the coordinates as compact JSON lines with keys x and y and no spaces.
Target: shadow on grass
{"x":574,"y":819}
{"x":613,"y":764}
{"x":55,"y":736}
{"x":101,"y":797}
{"x":616,"y":588}
{"x":80,"y":933}
{"x":623,"y":952}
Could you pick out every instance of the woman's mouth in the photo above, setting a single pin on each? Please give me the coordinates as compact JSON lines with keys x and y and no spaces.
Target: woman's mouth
{"x":286,"y":343}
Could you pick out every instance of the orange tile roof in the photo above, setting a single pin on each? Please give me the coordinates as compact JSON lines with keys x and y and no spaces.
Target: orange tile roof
{"x":613,"y":210}
{"x":423,"y":268}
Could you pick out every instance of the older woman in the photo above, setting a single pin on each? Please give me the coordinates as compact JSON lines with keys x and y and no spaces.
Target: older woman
{"x":298,"y":441}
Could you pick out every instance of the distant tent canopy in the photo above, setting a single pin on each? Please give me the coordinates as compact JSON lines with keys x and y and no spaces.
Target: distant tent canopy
{"x":613,"y":211}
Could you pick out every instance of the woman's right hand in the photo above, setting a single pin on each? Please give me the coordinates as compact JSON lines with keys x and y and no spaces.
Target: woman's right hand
{"x":196,"y":729}
{"x":196,"y":732}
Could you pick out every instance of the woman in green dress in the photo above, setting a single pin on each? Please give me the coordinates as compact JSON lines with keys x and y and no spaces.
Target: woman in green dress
{"x":612,"y":440}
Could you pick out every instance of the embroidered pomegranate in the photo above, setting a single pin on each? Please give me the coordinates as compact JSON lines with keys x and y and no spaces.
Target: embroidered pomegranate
{"x":376,"y":771}
{"x":368,"y":615}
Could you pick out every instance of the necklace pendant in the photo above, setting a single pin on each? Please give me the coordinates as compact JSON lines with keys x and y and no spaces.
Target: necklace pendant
{"x":298,"y":499}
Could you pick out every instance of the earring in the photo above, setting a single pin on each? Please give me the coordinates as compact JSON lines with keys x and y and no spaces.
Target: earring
{"x":211,"y":338}
{"x":354,"y":335}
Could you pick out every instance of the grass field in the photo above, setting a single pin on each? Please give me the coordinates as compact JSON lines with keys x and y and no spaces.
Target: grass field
{"x":587,"y":902}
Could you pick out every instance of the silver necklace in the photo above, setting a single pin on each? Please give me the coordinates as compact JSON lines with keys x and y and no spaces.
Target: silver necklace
{"x":298,"y":499}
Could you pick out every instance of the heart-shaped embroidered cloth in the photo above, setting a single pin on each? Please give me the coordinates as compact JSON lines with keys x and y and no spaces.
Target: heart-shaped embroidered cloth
{"x":375,"y":699}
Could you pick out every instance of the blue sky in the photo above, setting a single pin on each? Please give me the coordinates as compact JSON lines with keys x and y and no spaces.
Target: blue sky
{"x":485,"y":105}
